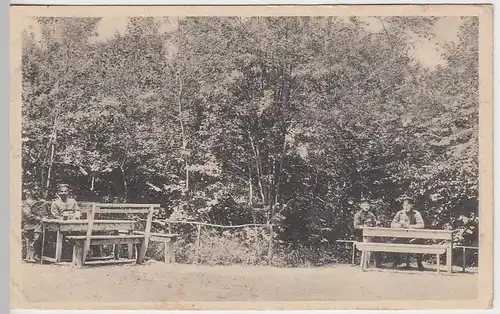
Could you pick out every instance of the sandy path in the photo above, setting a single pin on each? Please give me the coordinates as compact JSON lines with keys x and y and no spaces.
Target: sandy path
{"x":161,"y":282}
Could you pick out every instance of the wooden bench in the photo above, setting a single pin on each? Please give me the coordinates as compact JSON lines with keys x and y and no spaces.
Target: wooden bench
{"x":81,"y":244}
{"x":167,"y":239}
{"x":65,"y":228}
{"x":79,"y":241}
{"x":368,"y":246}
{"x":30,"y":252}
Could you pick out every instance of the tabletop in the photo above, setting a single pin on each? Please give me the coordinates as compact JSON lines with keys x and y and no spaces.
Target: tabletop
{"x":414,"y":233}
{"x":74,"y":225}
{"x":84,"y":221}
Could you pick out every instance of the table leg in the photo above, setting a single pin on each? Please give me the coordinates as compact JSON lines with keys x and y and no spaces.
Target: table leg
{"x":165,"y":251}
{"x":130,"y":248}
{"x":59,"y":245}
{"x":141,"y":254}
{"x":43,"y":245}
{"x":353,"y":258}
{"x":78,"y":255}
{"x":30,"y":252}
{"x":169,"y":251}
{"x":449,"y":256}
{"x":438,"y":262}
{"x":75,"y":254}
{"x":463,"y":259}
{"x":136,"y":250}
{"x":362,"y":262}
{"x":366,"y":255}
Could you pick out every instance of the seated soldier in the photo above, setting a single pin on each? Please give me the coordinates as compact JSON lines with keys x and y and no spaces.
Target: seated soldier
{"x":33,"y":211}
{"x":365,"y":218}
{"x":63,"y":203}
{"x":408,"y":218}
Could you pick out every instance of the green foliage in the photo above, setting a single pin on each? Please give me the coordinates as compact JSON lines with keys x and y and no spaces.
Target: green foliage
{"x":236,"y":120}
{"x":247,"y":245}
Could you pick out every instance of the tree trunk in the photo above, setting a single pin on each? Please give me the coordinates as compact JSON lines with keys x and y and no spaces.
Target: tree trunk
{"x":187,"y":177}
{"x":280,"y":168}
{"x":124,"y":183}
{"x":250,"y":191}
{"x":271,"y":181}
{"x":183,"y":133}
{"x":270,"y":249}
{"x":51,"y":148}
{"x":259,"y":173}
{"x":51,"y":163}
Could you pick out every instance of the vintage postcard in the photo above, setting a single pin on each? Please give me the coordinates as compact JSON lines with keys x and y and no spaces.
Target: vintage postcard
{"x":251,"y":157}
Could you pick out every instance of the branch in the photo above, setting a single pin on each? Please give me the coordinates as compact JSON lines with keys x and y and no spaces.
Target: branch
{"x":239,"y":168}
{"x":387,"y":33}
{"x":282,"y":209}
{"x":214,"y":225}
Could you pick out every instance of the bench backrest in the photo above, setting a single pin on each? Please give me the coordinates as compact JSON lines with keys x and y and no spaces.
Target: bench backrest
{"x":85,"y":205}
{"x":118,"y":208}
{"x":445,"y":235}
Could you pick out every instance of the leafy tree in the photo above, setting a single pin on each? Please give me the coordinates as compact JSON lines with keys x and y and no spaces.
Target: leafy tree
{"x":232,"y":120}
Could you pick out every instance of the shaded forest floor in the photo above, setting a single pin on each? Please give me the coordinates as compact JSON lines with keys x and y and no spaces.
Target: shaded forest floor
{"x":157,"y":282}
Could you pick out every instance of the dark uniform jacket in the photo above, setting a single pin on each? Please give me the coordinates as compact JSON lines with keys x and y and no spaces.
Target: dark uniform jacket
{"x":360,"y":218}
{"x":32,"y":214}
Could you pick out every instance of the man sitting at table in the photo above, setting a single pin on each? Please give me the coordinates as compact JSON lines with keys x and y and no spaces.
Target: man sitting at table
{"x":63,"y":203}
{"x":362,"y":218}
{"x":33,"y":211}
{"x":408,"y":218}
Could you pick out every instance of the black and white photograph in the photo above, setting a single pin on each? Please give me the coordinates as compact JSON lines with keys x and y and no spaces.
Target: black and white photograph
{"x":175,"y":158}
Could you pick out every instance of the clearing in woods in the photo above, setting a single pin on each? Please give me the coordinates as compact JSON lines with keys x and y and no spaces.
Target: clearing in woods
{"x":159,"y":282}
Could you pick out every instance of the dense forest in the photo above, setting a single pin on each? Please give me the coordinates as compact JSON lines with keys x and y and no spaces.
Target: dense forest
{"x":232,"y":120}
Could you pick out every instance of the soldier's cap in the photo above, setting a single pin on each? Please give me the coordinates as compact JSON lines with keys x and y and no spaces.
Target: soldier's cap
{"x":364,"y":200}
{"x":62,"y":185}
{"x":407,"y":198}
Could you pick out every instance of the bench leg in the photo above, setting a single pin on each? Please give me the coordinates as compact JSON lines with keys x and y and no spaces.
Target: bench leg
{"x":43,"y":246}
{"x":30,"y":251}
{"x":116,"y":251}
{"x":449,"y":256}
{"x":137,"y":255}
{"x":438,"y":263}
{"x":78,"y":254}
{"x":141,"y":254}
{"x":169,"y":251}
{"x":59,"y":246}
{"x":166,"y":260}
{"x":363,"y":260}
{"x":130,"y":250}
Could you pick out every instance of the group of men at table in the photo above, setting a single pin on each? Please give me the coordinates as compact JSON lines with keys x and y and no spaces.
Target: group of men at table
{"x":35,"y":209}
{"x":407,"y":218}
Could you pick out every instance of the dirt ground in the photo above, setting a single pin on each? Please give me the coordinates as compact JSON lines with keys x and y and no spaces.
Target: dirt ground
{"x":159,"y":282}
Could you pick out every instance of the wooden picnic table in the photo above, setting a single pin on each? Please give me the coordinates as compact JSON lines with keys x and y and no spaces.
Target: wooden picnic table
{"x":62,"y":227}
{"x":444,"y":236}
